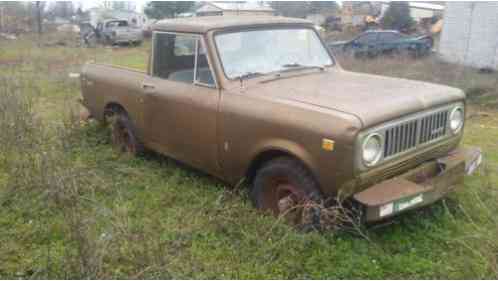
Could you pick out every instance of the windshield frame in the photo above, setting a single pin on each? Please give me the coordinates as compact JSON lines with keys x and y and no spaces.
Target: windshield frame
{"x":273,"y":27}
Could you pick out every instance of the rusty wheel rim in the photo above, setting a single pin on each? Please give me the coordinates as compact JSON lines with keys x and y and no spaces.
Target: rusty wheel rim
{"x":282,"y":197}
{"x":123,"y":140}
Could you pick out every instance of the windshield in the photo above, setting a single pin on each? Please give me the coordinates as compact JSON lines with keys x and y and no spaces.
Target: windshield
{"x":271,"y":50}
{"x":117,"y":23}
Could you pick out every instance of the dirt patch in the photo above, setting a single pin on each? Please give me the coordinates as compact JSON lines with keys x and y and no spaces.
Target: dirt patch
{"x":10,"y":62}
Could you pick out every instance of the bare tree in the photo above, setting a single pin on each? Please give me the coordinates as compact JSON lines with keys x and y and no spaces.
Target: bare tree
{"x":39,"y":7}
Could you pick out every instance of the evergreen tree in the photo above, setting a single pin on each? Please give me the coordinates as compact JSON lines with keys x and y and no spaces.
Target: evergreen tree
{"x":397,"y":16}
{"x":167,"y":9}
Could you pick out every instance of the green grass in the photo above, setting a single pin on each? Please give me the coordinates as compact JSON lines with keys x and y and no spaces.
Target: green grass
{"x":151,"y":217}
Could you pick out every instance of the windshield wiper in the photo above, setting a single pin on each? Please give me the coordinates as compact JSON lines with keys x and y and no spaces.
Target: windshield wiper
{"x":248,"y":75}
{"x":302,"y":66}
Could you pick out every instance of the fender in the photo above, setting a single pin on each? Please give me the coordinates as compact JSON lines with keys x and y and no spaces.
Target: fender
{"x":282,"y":147}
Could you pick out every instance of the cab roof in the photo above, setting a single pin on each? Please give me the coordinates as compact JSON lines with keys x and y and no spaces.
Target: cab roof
{"x":207,"y":23}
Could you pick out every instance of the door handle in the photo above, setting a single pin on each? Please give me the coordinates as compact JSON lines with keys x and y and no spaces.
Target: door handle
{"x":147,"y":86}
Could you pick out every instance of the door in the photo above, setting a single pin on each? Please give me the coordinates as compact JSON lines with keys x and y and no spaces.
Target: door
{"x":389,"y":41}
{"x":181,"y":107}
{"x":366,"y":44}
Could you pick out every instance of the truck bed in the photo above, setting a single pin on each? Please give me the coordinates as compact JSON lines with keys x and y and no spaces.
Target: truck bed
{"x":103,"y":85}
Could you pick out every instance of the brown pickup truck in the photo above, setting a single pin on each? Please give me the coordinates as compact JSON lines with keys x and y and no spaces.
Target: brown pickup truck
{"x":262,"y":99}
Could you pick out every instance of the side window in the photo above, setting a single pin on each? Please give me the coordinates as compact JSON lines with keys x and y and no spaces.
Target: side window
{"x":368,"y":38}
{"x":175,"y":59}
{"x":203,"y":73}
{"x":386,"y":37}
{"x":184,"y":45}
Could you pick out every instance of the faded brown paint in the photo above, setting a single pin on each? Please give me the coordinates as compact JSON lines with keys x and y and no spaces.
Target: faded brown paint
{"x":433,"y":180}
{"x":223,"y":130}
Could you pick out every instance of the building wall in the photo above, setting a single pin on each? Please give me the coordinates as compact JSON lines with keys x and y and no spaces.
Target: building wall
{"x":418,"y":14}
{"x":317,"y":19}
{"x":246,"y":13}
{"x":470,"y":34}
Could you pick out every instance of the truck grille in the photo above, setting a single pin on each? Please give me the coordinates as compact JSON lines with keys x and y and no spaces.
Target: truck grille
{"x":433,"y":126}
{"x":409,"y":134}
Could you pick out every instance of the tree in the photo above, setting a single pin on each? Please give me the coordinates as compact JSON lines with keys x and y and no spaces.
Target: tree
{"x":328,"y":7}
{"x":397,"y":16}
{"x":15,"y":16}
{"x":167,"y":9}
{"x":295,"y":9}
{"x":39,"y":9}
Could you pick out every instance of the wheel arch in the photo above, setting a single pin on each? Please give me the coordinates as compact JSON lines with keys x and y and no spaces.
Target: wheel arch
{"x":113,"y":106}
{"x":270,"y":153}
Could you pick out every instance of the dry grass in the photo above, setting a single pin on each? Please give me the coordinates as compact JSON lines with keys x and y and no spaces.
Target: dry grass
{"x":481,"y":88}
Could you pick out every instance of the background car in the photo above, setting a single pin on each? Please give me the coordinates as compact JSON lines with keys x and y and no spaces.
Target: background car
{"x":376,"y":42}
{"x":117,"y":31}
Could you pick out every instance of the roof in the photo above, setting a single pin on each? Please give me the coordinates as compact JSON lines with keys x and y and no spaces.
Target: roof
{"x":113,"y":11}
{"x":205,"y":24}
{"x":421,"y":5}
{"x":235,"y":6}
{"x":426,"y":6}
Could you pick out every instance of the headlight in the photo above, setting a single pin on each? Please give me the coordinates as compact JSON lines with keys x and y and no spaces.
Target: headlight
{"x":372,"y":149}
{"x":456,"y":119}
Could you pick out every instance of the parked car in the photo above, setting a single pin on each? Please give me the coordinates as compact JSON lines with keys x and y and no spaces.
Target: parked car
{"x":372,"y":43}
{"x":115,"y":31}
{"x":263,"y":99}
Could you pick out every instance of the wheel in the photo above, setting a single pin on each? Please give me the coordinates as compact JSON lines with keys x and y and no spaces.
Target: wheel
{"x":372,"y":53}
{"x":286,"y":188}
{"x":123,"y":134}
{"x":404,"y":52}
{"x":108,"y":41}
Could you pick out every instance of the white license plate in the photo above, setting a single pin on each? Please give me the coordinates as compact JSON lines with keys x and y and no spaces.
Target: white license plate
{"x":400,"y":205}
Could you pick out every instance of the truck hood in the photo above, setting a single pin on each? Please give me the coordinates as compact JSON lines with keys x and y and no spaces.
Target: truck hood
{"x":372,"y":99}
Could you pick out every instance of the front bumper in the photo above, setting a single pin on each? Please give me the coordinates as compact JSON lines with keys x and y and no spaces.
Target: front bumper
{"x":418,"y":187}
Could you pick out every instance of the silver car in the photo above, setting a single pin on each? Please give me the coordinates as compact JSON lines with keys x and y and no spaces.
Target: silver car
{"x":117,"y":31}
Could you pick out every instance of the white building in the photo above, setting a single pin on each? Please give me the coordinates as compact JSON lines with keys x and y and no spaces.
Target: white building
{"x":419,"y":10}
{"x":470,"y":34}
{"x":233,"y":8}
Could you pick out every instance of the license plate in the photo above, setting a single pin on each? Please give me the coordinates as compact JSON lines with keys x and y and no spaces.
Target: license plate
{"x":400,"y":205}
{"x":474,"y":165}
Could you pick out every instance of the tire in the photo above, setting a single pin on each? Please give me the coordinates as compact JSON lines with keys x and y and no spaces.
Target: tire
{"x":108,"y":41}
{"x":403,"y":52}
{"x":285,"y":187}
{"x":371,"y":54}
{"x":123,"y":134}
